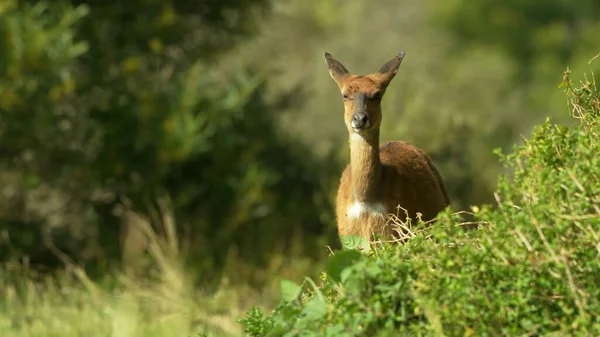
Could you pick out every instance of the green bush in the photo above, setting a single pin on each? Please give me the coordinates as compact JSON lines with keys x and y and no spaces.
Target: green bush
{"x":531,"y":268}
{"x":104,"y":105}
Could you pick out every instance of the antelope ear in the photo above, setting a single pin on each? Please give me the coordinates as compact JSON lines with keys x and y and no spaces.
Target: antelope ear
{"x":336,"y":69}
{"x":390,"y":68}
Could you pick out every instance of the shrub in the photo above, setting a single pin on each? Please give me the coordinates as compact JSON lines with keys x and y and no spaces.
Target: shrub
{"x":531,"y":268}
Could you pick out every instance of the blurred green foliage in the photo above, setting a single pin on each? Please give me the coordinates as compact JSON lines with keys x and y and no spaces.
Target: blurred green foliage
{"x":527,"y":30}
{"x":109,"y":104}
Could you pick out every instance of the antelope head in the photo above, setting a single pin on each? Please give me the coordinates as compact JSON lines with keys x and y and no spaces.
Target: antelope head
{"x":362,"y":93}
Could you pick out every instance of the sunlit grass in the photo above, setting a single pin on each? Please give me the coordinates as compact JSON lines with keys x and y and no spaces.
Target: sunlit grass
{"x":65,"y":307}
{"x":165,"y":301}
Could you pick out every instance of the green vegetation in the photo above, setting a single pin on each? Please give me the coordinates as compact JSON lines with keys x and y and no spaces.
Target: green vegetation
{"x":531,"y":268}
{"x":163,"y":164}
{"x":65,"y":306}
{"x":107,"y":108}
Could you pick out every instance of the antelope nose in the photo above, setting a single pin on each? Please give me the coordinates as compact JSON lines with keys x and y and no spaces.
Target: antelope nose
{"x":360,"y":120}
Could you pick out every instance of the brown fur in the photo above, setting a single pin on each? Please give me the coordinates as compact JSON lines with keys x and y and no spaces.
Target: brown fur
{"x":383,"y":176}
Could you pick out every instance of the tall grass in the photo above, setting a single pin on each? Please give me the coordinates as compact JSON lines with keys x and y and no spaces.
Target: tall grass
{"x":65,"y":308}
{"x":161,"y":300}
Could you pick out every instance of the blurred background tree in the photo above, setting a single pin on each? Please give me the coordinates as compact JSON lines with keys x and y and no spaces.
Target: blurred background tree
{"x":113,"y":103}
{"x":226,"y":107}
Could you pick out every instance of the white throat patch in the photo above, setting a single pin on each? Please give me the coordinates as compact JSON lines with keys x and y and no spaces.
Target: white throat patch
{"x":359,"y":208}
{"x":357,"y":137}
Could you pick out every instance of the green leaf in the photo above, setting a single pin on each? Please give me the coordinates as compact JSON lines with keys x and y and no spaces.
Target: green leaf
{"x":355,"y":242}
{"x":340,"y":261}
{"x":289,"y":290}
{"x":277,"y":331}
{"x":346,"y":273}
{"x":316,"y":308}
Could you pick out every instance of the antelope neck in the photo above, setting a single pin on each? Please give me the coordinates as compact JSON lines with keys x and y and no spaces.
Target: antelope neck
{"x":366,"y":167}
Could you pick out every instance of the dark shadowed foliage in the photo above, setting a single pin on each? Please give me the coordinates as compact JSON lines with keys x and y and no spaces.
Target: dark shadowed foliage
{"x":110,"y":103}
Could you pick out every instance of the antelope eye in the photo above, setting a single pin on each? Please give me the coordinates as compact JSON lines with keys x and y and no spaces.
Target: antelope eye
{"x":346,"y":97}
{"x":376,"y":97}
